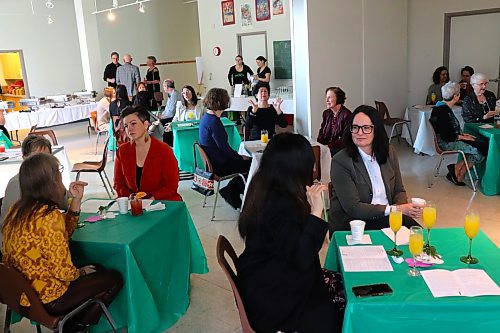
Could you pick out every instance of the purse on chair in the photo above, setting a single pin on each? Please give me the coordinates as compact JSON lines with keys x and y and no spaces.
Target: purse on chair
{"x":203,"y":182}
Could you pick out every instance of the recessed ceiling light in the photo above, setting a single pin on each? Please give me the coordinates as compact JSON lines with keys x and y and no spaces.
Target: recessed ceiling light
{"x":111,"y":15}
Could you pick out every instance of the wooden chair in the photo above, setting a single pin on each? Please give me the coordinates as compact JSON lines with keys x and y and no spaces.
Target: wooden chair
{"x":50,"y":133}
{"x":93,"y":124}
{"x":443,"y":153}
{"x":14,"y":284}
{"x":393,"y":122}
{"x":33,"y":128}
{"x":208,"y":167}
{"x":223,"y":248}
{"x":317,"y":164}
{"x":98,"y":167}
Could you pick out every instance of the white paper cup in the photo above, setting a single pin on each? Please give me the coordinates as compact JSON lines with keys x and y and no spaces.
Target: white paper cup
{"x":122,"y":205}
{"x":418,"y":202}
{"x":357,"y":229}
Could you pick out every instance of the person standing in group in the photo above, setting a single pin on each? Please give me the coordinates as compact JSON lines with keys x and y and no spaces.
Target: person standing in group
{"x":440,"y":77}
{"x":335,"y":120}
{"x":238,"y":74}
{"x":168,"y":113}
{"x":110,"y":70}
{"x":128,"y":75}
{"x":153,"y":80}
{"x":263,"y":75}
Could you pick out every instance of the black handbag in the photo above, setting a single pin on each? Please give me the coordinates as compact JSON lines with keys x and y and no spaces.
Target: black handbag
{"x":203,"y":182}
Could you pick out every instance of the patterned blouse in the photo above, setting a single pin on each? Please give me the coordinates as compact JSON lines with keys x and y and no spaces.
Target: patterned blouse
{"x":40,"y":251}
{"x":333,"y":127}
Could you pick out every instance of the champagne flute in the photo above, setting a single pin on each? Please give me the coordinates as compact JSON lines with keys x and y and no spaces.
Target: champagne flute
{"x":471,"y":228}
{"x":395,"y":222}
{"x":416,"y":247}
{"x":429,"y":219}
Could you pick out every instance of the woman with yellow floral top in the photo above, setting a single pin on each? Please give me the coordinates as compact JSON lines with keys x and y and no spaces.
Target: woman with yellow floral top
{"x":35,"y":242}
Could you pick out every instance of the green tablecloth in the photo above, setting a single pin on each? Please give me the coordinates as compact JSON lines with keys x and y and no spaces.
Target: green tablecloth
{"x":155,"y":253}
{"x":184,"y":138}
{"x":6,"y":140}
{"x":489,"y":169}
{"x":412,"y":308}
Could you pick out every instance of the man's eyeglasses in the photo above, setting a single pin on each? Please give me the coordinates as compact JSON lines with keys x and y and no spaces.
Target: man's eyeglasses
{"x":367,"y":129}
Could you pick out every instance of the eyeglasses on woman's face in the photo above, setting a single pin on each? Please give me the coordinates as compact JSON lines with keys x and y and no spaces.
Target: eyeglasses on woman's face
{"x":366,"y":129}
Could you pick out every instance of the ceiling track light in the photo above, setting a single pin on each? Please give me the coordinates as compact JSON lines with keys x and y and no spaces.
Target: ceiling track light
{"x":49,"y":4}
{"x":111,"y":15}
{"x":116,"y":5}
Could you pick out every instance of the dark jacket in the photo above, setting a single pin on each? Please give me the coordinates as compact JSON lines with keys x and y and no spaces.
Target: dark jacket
{"x":473,"y":111}
{"x":264,"y":119}
{"x":445,"y":124}
{"x":214,"y":140}
{"x":279,"y":272}
{"x":352,"y":189}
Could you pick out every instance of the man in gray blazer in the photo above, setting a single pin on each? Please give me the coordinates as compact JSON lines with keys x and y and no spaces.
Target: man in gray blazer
{"x":353,"y":195}
{"x":128,"y":75}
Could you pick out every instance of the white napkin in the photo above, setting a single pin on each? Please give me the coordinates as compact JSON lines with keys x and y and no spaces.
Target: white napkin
{"x":365,"y":240}
{"x":403,"y":237}
{"x":156,"y":206}
{"x":486,"y":126}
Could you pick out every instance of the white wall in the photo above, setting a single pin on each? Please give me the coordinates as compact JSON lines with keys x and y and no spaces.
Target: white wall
{"x":359,"y":45}
{"x":168,"y":30}
{"x":213,"y":33}
{"x":425,"y":39}
{"x":51,"y":52}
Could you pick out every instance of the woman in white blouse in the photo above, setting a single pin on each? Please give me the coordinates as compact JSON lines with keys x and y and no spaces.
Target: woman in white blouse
{"x":188,"y":108}
{"x":103,"y":115}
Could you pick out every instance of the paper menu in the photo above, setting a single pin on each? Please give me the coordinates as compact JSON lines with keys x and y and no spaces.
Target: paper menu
{"x":486,"y":126}
{"x":238,"y":88}
{"x":365,"y":259}
{"x":403,"y":237}
{"x":461,"y":282}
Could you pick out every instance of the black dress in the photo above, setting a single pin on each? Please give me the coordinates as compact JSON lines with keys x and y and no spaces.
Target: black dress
{"x":264,"y":119}
{"x":153,"y":75}
{"x":280,"y":276}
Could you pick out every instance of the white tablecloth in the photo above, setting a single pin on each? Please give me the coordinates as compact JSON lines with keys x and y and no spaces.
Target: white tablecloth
{"x":242,"y":104}
{"x":46,"y":117}
{"x":254,"y":149}
{"x":421,"y":130}
{"x":10,"y":167}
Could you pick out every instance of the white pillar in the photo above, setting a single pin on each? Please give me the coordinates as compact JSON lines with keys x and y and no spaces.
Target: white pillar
{"x":82,"y":38}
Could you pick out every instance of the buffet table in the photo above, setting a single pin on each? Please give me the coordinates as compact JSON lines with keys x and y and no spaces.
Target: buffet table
{"x":421,"y":130}
{"x":11,"y":165}
{"x":46,"y":117}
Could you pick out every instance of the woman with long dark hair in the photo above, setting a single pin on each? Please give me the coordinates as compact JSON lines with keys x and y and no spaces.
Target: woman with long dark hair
{"x":439,"y":78}
{"x":367,"y":183}
{"x":36,"y":236}
{"x":121,"y":102}
{"x":279,"y":273}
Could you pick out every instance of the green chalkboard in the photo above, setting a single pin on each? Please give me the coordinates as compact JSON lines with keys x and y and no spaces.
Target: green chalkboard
{"x":282,"y":59}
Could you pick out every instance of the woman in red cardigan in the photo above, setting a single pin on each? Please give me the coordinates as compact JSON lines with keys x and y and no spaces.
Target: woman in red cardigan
{"x":145,"y":164}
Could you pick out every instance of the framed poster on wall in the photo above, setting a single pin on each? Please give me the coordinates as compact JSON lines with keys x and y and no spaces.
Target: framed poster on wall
{"x":262,"y":10}
{"x":227,"y":12}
